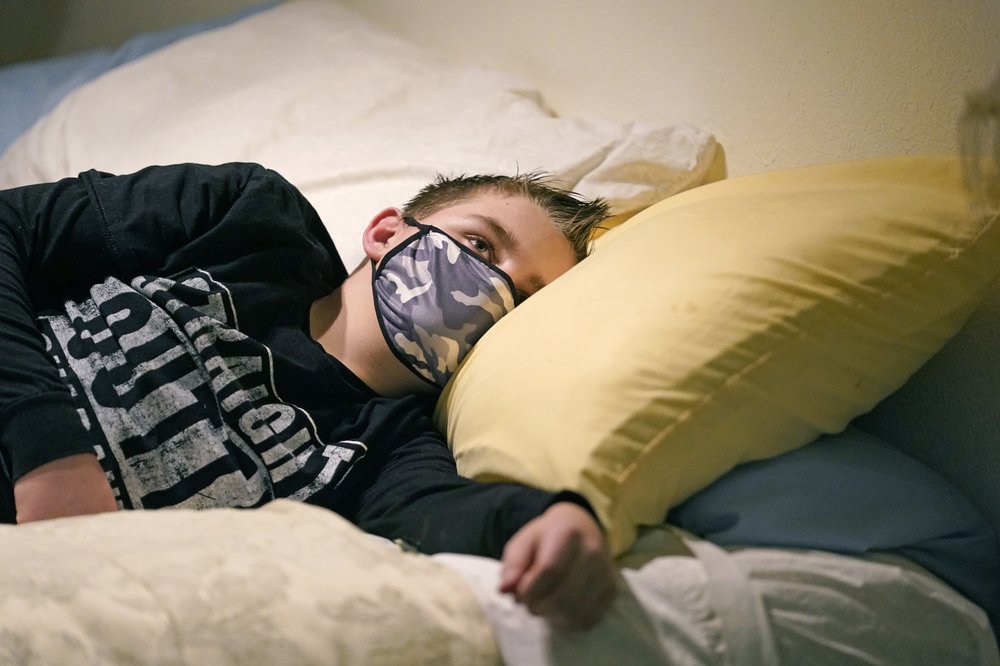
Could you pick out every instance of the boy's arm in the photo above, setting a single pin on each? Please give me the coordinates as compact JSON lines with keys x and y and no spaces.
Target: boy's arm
{"x":44,"y":229}
{"x":554,"y":557}
{"x":70,"y":486}
{"x":59,"y":239}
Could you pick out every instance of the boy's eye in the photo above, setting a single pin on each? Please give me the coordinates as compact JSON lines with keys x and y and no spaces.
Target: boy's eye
{"x":482,"y":247}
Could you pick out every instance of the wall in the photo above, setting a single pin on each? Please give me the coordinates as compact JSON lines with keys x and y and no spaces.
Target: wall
{"x":38,"y":28}
{"x":780,"y":82}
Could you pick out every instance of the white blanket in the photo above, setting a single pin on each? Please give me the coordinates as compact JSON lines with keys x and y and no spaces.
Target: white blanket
{"x":294,"y":584}
{"x":286,"y":584}
{"x":356,"y":118}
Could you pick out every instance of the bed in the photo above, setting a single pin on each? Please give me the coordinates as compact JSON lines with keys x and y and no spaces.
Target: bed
{"x":777,"y":391}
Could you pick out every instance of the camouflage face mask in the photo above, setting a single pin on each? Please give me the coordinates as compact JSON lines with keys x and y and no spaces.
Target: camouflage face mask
{"x":434,"y":298}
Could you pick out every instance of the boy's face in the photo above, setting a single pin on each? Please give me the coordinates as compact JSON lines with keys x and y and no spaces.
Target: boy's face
{"x":512,"y":233}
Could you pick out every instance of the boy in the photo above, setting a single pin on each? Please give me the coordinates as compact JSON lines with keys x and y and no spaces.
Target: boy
{"x":187,"y":336}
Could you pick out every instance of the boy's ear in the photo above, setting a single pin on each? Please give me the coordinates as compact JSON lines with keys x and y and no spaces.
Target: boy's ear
{"x":382,"y":233}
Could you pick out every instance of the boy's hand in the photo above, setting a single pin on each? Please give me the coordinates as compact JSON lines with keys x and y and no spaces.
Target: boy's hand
{"x":70,"y":486}
{"x":559,"y":567}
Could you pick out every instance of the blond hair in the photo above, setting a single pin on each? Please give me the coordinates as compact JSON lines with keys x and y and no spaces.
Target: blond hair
{"x":575,"y":216}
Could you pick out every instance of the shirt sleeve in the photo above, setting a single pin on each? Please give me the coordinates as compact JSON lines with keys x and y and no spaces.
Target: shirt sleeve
{"x":412,"y":492}
{"x":59,"y":239}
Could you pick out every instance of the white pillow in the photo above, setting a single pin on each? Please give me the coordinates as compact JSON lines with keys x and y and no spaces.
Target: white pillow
{"x":355,"y":117}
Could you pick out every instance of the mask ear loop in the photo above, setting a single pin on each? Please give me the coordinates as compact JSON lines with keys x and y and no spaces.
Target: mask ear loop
{"x":423,"y":230}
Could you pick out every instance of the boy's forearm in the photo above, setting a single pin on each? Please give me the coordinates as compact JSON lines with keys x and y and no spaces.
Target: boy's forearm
{"x":40,"y":429}
{"x":71,"y":486}
{"x":417,"y":496}
{"x":468,"y":518}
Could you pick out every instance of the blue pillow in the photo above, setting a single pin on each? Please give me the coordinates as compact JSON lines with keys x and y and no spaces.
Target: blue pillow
{"x":853,"y":493}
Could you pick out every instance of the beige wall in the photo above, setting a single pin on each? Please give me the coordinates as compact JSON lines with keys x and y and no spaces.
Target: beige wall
{"x":780,"y":82}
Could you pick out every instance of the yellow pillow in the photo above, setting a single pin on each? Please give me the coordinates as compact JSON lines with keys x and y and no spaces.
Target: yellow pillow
{"x":725,"y":324}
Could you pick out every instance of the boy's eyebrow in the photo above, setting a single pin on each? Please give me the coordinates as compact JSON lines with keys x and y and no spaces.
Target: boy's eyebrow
{"x":501,"y":232}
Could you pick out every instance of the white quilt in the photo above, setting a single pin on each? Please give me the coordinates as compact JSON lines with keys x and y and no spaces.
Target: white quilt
{"x":293,"y":584}
{"x":286,"y":584}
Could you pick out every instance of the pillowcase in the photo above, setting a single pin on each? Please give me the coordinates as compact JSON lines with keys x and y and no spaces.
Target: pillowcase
{"x":355,"y":117}
{"x":852,"y":493}
{"x":726,"y":324}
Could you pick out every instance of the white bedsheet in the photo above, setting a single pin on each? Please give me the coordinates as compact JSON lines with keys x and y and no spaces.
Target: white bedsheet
{"x":748,"y":607}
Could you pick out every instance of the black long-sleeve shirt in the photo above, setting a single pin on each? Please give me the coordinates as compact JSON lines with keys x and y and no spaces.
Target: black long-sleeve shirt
{"x":160,"y":320}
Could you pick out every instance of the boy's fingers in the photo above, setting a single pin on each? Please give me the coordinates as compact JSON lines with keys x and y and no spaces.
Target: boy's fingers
{"x":553,"y":564}
{"x":582,"y":595}
{"x":518,"y":556}
{"x":559,"y":568}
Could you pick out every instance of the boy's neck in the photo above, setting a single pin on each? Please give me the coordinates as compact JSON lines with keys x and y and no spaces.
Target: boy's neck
{"x":344,"y":323}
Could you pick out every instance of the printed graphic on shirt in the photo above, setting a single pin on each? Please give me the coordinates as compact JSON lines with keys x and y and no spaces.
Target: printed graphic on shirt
{"x":183,"y":404}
